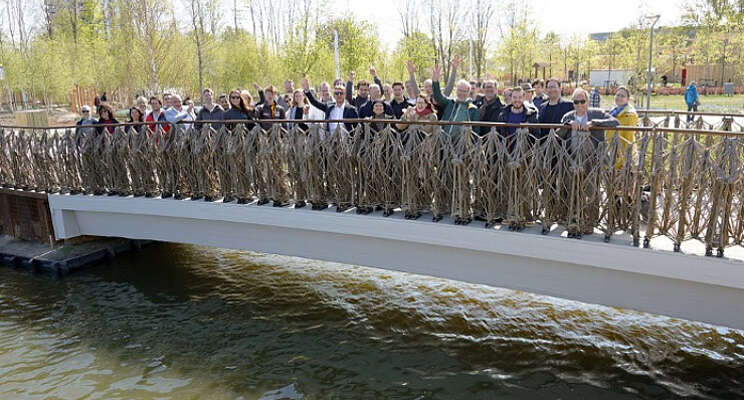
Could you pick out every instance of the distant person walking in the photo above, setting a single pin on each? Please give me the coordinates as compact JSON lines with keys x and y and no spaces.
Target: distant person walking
{"x":595,"y":99}
{"x":692,"y":99}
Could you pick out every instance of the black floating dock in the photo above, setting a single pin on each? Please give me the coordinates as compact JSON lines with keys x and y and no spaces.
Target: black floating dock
{"x":63,"y":258}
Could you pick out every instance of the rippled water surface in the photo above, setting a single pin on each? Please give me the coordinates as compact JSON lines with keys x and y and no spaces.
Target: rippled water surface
{"x":187,"y":322}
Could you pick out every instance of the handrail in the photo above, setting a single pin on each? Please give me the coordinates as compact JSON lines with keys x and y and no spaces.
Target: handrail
{"x":694,"y":113}
{"x":682,"y":189}
{"x":389,"y":121}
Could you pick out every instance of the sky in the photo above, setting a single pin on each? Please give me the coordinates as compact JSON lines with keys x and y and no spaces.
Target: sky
{"x":565,"y":17}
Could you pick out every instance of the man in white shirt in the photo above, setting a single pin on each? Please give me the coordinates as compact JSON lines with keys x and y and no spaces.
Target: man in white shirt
{"x":340,"y":109}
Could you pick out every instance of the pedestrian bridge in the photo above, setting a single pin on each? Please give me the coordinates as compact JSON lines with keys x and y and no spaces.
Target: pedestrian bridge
{"x":656,"y":280}
{"x":605,"y":222}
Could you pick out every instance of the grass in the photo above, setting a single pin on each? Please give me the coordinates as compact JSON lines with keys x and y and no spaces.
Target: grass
{"x":711,"y":103}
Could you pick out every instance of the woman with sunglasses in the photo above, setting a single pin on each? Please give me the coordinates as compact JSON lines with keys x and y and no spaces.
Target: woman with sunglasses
{"x":240,"y":109}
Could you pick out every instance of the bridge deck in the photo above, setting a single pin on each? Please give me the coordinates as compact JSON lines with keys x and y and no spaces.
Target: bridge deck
{"x":655,"y":280}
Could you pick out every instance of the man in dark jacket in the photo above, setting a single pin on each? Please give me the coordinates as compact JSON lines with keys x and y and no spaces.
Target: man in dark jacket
{"x":553,"y":110}
{"x":338,"y":110}
{"x":210,"y":111}
{"x":491,"y":108}
{"x":518,"y":112}
{"x":270,"y":109}
{"x":362,"y":96}
{"x":398,"y":104}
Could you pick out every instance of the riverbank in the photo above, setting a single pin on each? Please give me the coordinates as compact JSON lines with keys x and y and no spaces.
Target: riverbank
{"x":64,"y":258}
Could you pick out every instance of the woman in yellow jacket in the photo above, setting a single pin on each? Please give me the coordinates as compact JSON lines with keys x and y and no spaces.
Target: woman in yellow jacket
{"x":626,"y":114}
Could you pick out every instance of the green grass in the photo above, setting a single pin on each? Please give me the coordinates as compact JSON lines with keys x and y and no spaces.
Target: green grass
{"x":712,"y":103}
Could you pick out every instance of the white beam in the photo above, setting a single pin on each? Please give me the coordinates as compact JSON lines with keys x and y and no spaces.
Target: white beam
{"x":686,"y":286}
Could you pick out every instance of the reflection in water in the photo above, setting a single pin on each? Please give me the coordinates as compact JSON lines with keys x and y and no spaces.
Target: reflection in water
{"x":180,"y":322}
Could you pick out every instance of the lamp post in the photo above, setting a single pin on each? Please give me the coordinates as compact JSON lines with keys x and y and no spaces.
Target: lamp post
{"x":650,"y":59}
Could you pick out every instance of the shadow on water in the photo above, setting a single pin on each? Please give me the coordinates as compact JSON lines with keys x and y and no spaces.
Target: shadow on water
{"x":189,"y":321}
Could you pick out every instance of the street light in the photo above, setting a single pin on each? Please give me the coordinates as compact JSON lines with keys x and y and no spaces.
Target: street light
{"x":650,"y":58}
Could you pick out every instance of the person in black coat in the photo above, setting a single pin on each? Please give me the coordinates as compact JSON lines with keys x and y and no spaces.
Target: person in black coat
{"x":240,"y":109}
{"x":491,"y":108}
{"x":339,"y":110}
{"x":552,"y":110}
{"x":209,"y":111}
{"x":270,"y":109}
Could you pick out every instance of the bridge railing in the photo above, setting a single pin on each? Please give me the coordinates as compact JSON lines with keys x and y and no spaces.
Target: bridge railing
{"x":693,"y":120}
{"x":680,"y":183}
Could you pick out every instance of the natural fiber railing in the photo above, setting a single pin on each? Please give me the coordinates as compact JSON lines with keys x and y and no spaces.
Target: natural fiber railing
{"x":680,"y":183}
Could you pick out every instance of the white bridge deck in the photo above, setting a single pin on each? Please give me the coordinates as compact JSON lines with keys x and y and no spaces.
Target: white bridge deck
{"x":653,"y":280}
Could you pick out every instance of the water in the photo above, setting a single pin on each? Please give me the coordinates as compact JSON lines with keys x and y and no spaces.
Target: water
{"x":186,"y":322}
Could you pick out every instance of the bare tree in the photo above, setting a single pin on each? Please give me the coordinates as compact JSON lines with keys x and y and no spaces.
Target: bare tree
{"x":197,"y":11}
{"x":482,"y":15}
{"x":148,"y":22}
{"x":409,"y":18}
{"x":446,"y":20}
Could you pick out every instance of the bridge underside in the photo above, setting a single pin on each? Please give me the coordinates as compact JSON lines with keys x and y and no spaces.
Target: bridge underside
{"x":616,"y":274}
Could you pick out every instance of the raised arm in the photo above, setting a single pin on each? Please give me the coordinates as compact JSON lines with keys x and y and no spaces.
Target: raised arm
{"x":350,"y":88}
{"x":412,"y":78}
{"x":437,"y":90}
{"x":306,"y":88}
{"x":373,"y":72}
{"x":452,"y":77}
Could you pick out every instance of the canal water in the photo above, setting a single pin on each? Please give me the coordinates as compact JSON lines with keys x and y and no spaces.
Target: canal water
{"x":188,"y":322}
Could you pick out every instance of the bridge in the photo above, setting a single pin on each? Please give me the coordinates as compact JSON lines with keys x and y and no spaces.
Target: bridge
{"x":611,"y":223}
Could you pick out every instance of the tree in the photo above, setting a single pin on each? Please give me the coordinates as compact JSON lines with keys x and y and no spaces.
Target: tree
{"x":673,"y":43}
{"x":357,"y":40}
{"x":201,"y":13}
{"x":416,"y":48}
{"x":447,"y":34}
{"x":481,"y":14}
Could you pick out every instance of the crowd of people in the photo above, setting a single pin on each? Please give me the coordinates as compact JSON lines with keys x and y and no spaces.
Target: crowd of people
{"x":402,"y":103}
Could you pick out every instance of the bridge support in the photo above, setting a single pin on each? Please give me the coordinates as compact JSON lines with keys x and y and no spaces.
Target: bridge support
{"x":25,"y":215}
{"x":661,"y":282}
